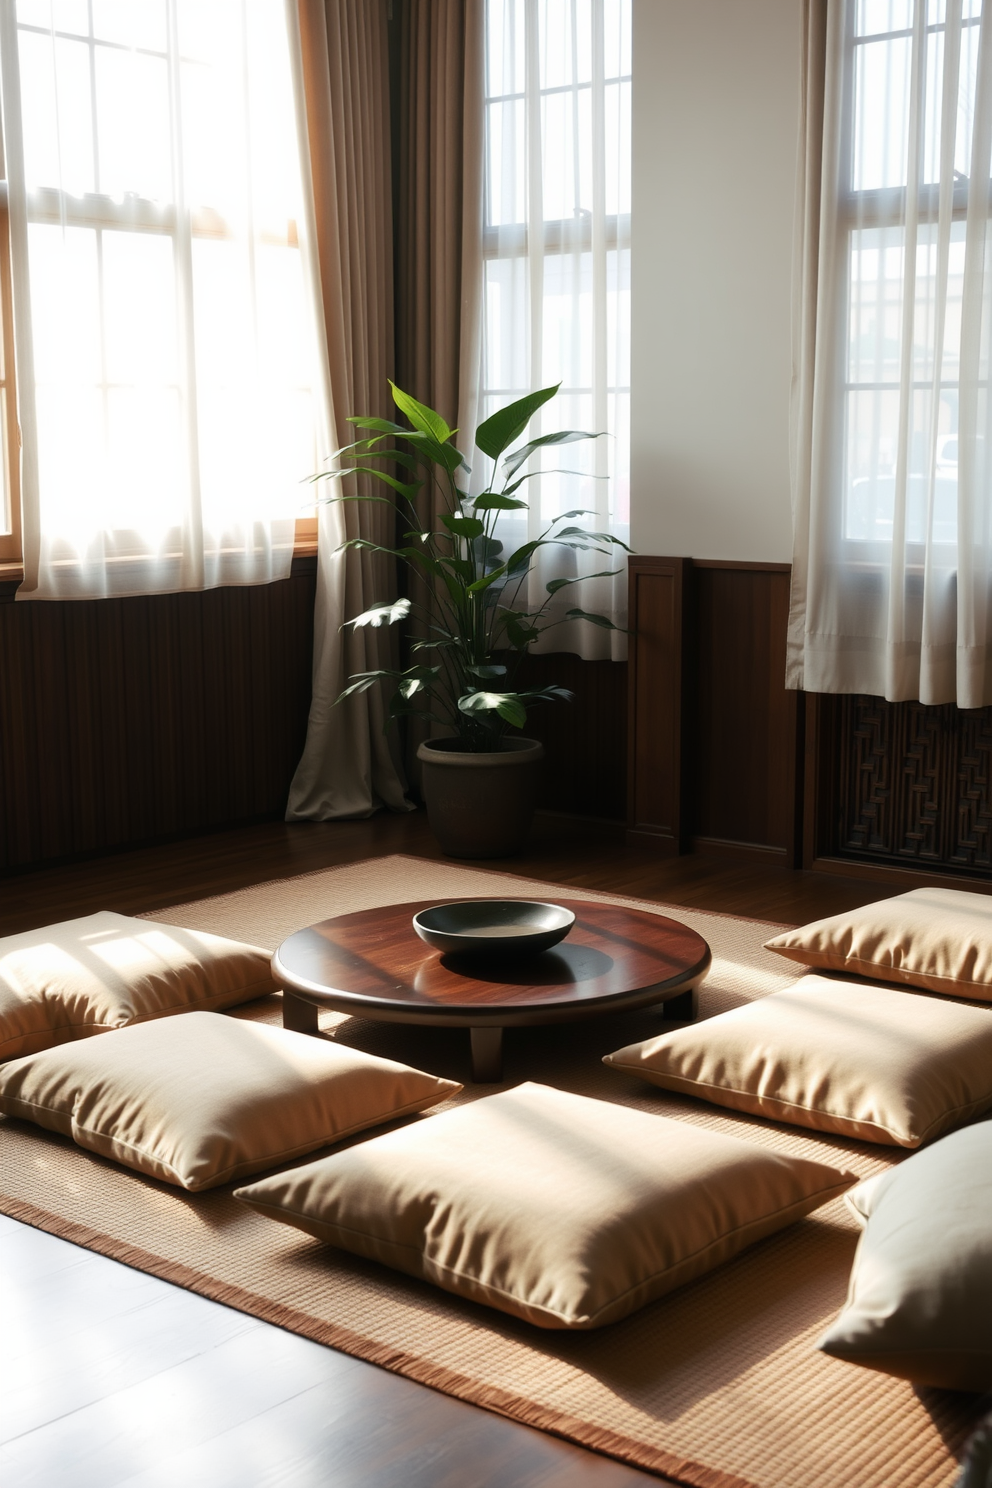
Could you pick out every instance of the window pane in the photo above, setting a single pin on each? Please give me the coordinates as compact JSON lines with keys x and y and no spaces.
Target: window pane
{"x":144,"y":484}
{"x":567,"y":154}
{"x":61,"y":15}
{"x":65,"y":305}
{"x":874,"y":16}
{"x":131,"y":23}
{"x":506,"y":179}
{"x":135,"y":151}
{"x":504,"y":47}
{"x":881,"y":114}
{"x":565,"y":36}
{"x":139,"y":309}
{"x":58,"y":136}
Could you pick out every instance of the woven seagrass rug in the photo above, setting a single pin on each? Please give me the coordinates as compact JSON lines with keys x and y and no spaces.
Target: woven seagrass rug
{"x":716,"y":1386}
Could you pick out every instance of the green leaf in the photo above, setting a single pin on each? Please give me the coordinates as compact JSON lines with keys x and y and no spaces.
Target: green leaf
{"x":551,"y":694}
{"x":507,"y":424}
{"x":481,"y":585}
{"x":589,"y":537}
{"x":493,"y":502}
{"x":405,"y":489}
{"x":521,"y":558}
{"x":469,"y":527}
{"x":513,"y":462}
{"x":362,"y":681}
{"x":555,"y":584}
{"x":506,"y":704}
{"x":385,"y":426}
{"x":487,"y":550}
{"x":519,"y":635}
{"x":420,"y":416}
{"x":600,"y":620}
{"x":382,"y":614}
{"x":486,"y":673}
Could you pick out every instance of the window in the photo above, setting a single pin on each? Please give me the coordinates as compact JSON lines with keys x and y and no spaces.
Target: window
{"x":163,"y":339}
{"x":892,"y":575}
{"x":904,"y":212}
{"x":557,"y":245}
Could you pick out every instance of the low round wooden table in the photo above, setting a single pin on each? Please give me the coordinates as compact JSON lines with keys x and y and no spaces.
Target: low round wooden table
{"x":373,"y":965}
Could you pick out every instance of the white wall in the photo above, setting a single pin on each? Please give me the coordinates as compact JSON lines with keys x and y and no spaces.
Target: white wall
{"x":715,"y":126}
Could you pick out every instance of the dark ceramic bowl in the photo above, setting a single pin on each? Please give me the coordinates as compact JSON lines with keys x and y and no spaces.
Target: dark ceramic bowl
{"x":493,"y":927}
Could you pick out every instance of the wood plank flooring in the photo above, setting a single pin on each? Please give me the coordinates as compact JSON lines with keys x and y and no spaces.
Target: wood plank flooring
{"x":111,"y":1377}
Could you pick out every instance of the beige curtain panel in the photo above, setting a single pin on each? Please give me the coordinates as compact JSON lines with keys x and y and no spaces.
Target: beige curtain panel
{"x":349,"y":765}
{"x":892,"y":421}
{"x":439,"y":233}
{"x":439,"y":174}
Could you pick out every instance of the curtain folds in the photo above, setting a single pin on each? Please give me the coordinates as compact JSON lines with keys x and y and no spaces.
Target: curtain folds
{"x":439,"y":232}
{"x":349,"y":765}
{"x":439,"y":174}
{"x":892,"y":417}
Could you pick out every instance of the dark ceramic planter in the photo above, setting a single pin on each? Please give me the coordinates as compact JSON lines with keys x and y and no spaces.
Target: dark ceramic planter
{"x":480,"y":805}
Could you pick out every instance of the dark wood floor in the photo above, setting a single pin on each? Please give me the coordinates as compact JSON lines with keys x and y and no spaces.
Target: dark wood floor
{"x":567,"y":850}
{"x":111,"y":1377}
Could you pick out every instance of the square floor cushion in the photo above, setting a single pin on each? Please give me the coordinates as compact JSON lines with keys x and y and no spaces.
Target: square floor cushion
{"x":204,"y":1099}
{"x":920,"y":1299}
{"x":108,"y":970}
{"x":940,"y":939}
{"x":561,"y":1210}
{"x":877,"y":1063}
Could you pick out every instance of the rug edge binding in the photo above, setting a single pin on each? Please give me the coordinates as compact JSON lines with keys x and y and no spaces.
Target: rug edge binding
{"x":679,"y":1470}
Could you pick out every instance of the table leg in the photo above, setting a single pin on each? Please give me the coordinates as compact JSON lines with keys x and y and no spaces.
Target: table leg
{"x":487,"y":1055}
{"x":298,"y":1014}
{"x":682,"y":1009}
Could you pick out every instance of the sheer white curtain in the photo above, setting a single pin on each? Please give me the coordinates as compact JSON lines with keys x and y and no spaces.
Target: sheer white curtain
{"x":164,"y":336}
{"x":893,"y":423}
{"x":556,"y":289}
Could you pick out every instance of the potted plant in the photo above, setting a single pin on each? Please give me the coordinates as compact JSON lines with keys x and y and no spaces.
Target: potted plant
{"x":480,"y":781}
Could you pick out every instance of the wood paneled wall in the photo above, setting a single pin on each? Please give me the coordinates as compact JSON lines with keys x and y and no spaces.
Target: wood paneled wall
{"x":659,"y":703}
{"x":125,"y":720}
{"x":715,"y":738}
{"x":129,"y":720}
{"x":585,"y":773}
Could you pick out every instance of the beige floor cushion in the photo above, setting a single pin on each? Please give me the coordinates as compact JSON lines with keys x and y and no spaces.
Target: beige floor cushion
{"x":204,"y":1099}
{"x":565,"y":1211}
{"x":920,"y":1300}
{"x":940,"y":939}
{"x":870,"y":1062}
{"x":107,"y":970}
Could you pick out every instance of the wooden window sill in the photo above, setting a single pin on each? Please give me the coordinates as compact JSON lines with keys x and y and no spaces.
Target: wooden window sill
{"x":305,"y":548}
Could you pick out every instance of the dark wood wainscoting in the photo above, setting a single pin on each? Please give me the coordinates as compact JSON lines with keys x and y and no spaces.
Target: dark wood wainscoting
{"x":127,"y":720}
{"x":716,"y":740}
{"x":124,"y":721}
{"x":586,"y":740}
{"x":722,"y":758}
{"x":899,"y":785}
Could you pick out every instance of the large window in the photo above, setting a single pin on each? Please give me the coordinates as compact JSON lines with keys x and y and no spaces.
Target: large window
{"x":163,"y":340}
{"x":557,"y":242}
{"x":912,"y":110}
{"x":892,"y":580}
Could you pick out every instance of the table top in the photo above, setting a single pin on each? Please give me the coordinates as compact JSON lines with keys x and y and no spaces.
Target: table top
{"x":373,"y":964}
